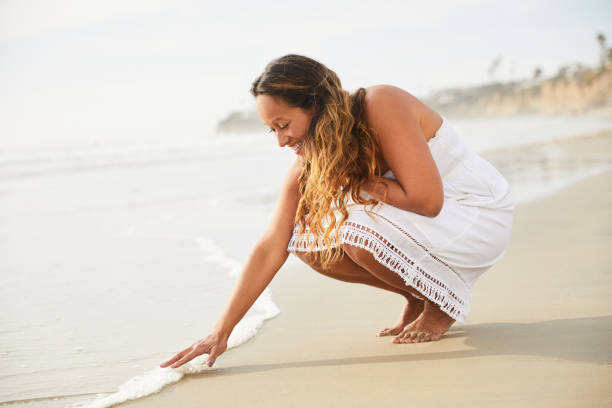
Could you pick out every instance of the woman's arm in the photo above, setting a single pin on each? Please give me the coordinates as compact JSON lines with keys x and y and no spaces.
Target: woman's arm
{"x":397,"y":197}
{"x":419,"y":186}
{"x":266,"y":258}
{"x":261,"y":266}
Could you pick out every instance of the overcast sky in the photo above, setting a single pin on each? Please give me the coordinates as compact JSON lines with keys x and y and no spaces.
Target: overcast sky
{"x":87,"y":69}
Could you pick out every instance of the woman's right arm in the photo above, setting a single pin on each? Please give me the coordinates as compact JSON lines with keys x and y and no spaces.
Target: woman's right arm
{"x":266,"y":258}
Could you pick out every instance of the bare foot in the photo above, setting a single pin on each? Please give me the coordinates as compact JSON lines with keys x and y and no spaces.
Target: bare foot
{"x":412,"y":310}
{"x":429,"y":326}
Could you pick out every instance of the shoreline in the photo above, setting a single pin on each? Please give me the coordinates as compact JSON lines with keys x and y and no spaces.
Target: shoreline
{"x":538,"y":331}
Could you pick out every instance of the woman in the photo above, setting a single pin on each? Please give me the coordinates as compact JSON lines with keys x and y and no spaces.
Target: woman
{"x":383,"y":192}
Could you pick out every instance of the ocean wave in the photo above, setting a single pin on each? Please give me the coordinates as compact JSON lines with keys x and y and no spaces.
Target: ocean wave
{"x":32,"y":162}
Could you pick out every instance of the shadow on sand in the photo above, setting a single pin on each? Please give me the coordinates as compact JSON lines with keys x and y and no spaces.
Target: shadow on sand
{"x":587,"y":340}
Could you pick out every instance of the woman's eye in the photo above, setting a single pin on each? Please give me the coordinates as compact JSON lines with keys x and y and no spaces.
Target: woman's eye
{"x":280,"y":127}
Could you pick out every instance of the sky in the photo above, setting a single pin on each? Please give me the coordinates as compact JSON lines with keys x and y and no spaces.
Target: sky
{"x":91,"y":71}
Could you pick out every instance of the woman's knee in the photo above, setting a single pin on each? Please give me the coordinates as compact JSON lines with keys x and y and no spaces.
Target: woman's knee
{"x":336,"y":271}
{"x":308,"y":259}
{"x":311,"y":259}
{"x":358,"y":255}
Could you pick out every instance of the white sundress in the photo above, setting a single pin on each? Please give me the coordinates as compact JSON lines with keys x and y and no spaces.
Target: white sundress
{"x":440,"y":256}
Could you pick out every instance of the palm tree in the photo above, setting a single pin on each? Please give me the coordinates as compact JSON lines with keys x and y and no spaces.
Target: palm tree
{"x":603,"y":53}
{"x":494,"y":66}
{"x":537,"y":73}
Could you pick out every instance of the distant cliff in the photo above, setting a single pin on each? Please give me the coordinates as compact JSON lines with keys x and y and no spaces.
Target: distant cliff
{"x":584,"y":91}
{"x":587,"y":91}
{"x":240,"y":121}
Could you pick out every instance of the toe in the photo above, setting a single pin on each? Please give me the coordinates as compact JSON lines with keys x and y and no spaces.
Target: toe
{"x":383,"y":332}
{"x":400,"y":337}
{"x":390,"y":331}
{"x":404,"y":337}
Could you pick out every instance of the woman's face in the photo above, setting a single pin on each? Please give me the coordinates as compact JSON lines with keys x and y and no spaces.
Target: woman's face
{"x":289,"y":124}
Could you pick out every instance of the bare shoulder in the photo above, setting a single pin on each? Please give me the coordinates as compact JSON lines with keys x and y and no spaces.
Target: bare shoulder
{"x":375,"y":92}
{"x":385,"y":103}
{"x":390,"y":93}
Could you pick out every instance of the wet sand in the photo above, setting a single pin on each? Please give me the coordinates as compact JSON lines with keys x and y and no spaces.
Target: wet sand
{"x":539,"y":333}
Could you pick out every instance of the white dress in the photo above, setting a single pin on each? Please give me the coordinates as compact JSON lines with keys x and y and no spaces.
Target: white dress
{"x":440,"y":256}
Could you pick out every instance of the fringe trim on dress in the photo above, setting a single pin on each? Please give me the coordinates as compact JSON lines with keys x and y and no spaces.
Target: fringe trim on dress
{"x":391,"y":257}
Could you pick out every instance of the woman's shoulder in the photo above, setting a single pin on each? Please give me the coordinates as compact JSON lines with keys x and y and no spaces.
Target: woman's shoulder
{"x":384,"y":94}
{"x":389,"y":100}
{"x":385,"y":91}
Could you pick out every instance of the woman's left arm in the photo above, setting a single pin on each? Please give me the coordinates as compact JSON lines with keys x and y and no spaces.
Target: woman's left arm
{"x":419,"y":186}
{"x":397,"y":197}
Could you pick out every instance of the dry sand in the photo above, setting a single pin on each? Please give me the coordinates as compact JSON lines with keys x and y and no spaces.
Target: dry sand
{"x":539,"y":333}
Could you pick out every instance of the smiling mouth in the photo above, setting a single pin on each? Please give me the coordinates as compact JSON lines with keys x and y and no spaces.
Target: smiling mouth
{"x":296,"y":148}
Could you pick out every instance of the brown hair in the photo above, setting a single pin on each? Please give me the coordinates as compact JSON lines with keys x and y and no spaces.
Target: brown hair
{"x":340,"y":151}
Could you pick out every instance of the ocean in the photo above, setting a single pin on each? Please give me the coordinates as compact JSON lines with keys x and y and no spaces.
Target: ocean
{"x":114,"y":256}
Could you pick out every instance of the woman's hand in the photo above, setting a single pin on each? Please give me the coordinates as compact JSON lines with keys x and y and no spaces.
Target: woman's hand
{"x":214,"y":344}
{"x":369,"y":186}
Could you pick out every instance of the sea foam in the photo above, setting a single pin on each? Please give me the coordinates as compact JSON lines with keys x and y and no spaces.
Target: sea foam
{"x":157,"y":378}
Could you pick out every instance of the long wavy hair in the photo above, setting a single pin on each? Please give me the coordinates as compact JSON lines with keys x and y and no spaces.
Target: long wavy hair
{"x":340,"y":152}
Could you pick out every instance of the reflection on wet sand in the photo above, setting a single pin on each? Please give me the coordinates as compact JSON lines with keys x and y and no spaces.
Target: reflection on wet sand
{"x":538,"y":169}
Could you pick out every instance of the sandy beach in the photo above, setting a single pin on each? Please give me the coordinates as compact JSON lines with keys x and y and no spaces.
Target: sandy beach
{"x":539,"y":333}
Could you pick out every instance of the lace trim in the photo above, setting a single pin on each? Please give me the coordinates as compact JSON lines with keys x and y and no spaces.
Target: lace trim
{"x":422,"y":246}
{"x":391,"y":257}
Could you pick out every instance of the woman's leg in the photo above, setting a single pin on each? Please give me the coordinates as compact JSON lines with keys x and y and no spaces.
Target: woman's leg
{"x":348,"y":271}
{"x":429,"y":325}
